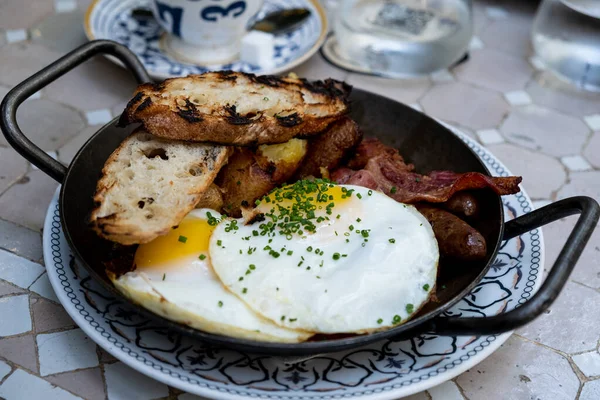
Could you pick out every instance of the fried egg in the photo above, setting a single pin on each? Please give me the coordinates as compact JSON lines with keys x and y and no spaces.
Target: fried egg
{"x":173,"y":277}
{"x":329,"y":258}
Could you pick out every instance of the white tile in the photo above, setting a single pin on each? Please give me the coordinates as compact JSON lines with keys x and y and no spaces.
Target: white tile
{"x":575,"y":163}
{"x":416,"y":106}
{"x":593,"y":121}
{"x":52,"y":154}
{"x":65,"y":351}
{"x":98,"y":117}
{"x":43,"y":287}
{"x":35,"y":96}
{"x":476,"y":43}
{"x":446,"y":391}
{"x":590,"y":391}
{"x":4,"y":369}
{"x":123,"y":383}
{"x":15,"y":315}
{"x":518,"y":98}
{"x":588,"y":363}
{"x":537,"y":63}
{"x":496,"y":12}
{"x":442,"y":76}
{"x":22,"y":385}
{"x":18,"y":270}
{"x":540,"y":203}
{"x":63,"y":6}
{"x":490,"y":136}
{"x":16,"y":35}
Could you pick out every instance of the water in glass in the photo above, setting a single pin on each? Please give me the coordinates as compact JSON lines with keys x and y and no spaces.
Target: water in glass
{"x":566,"y":37}
{"x":403,"y":37}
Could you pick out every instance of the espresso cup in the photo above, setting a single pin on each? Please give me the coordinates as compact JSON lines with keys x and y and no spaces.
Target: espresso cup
{"x":204,"y":31}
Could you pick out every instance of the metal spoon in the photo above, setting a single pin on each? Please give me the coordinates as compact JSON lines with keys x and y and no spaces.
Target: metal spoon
{"x":282,"y":21}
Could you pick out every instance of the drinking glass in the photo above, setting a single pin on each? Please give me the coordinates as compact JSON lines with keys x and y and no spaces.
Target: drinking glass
{"x":566,"y":37}
{"x":400,"y":38}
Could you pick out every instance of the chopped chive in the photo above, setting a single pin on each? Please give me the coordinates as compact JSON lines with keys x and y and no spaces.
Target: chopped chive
{"x":393,"y":190}
{"x":219,"y":242}
{"x":396,"y":320}
{"x":380,"y":320}
{"x":245,"y":290}
{"x":241,"y":278}
{"x":309,"y":248}
{"x":358,"y":219}
{"x":182,"y":239}
{"x":426,"y":287}
{"x":164,"y":276}
{"x":220,"y":304}
{"x":290,"y":252}
{"x":410,"y":308}
{"x":351,"y":227}
{"x":202,"y":257}
{"x":283,"y":317}
{"x":392,"y":240}
{"x":370,"y":192}
{"x":293,"y":319}
{"x":359,"y":195}
{"x":336,"y":256}
{"x":252,"y":266}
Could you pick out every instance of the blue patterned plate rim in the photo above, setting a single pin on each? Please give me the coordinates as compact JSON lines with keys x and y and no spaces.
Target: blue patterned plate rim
{"x":106,"y":19}
{"x":384,"y":370}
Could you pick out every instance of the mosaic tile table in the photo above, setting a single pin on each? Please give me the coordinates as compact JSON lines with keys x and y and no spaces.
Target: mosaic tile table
{"x":539,"y":127}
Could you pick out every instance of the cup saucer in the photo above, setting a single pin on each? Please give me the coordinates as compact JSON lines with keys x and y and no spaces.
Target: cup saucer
{"x":130,"y":23}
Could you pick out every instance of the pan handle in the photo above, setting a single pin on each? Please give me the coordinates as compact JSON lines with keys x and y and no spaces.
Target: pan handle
{"x":557,"y":277}
{"x":14,"y":98}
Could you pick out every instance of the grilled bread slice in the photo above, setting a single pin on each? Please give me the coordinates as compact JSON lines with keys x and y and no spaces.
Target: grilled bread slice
{"x":237,"y":108}
{"x":149,"y":184}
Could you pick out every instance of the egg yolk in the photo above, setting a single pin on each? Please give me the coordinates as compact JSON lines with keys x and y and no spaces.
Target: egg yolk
{"x":326,"y":196}
{"x":190,"y":238}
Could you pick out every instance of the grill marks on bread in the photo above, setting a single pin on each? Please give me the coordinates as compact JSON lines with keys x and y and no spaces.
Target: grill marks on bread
{"x":237,"y":108}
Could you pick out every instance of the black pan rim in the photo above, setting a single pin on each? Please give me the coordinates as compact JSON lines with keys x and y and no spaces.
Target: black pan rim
{"x":304,"y":348}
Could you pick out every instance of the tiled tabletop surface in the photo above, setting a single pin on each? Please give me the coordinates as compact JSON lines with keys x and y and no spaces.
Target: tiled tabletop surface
{"x":502,"y":97}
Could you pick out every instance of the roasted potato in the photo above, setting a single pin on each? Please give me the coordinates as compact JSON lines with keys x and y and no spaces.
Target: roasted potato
{"x":326,"y":151}
{"x":250,"y":175}
{"x":211,"y":198}
{"x":281,"y":160}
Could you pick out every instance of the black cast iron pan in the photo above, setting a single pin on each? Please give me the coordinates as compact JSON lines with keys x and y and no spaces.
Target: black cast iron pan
{"x":423,"y":141}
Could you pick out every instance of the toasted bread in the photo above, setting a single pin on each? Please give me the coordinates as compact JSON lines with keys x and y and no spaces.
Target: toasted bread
{"x":237,"y":108}
{"x":149,"y":184}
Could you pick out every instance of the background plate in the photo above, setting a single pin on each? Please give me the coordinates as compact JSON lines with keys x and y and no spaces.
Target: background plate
{"x":383,"y":370}
{"x":111,"y":19}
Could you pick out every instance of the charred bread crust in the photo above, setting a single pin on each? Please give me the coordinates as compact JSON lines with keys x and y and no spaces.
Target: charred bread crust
{"x":237,"y":108}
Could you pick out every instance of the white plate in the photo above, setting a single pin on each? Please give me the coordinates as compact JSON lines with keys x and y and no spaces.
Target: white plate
{"x":112,"y":19}
{"x":383,"y":370}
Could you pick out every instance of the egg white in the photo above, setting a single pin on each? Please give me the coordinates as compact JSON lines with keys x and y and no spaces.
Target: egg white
{"x":185,"y":289}
{"x":376,"y":281}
